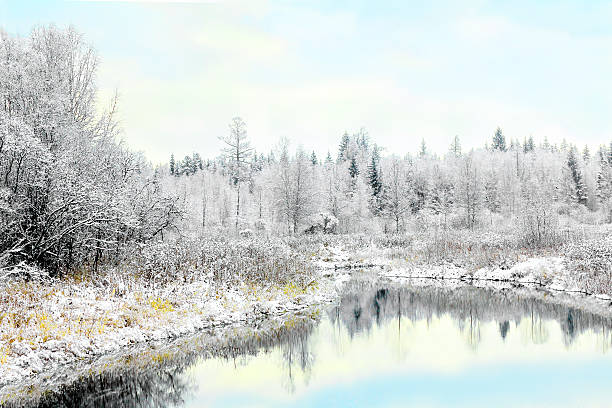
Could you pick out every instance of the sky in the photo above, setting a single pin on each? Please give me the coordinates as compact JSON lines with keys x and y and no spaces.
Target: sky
{"x":310,"y":70}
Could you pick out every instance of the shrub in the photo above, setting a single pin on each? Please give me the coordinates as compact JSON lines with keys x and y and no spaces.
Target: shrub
{"x":592,"y":261}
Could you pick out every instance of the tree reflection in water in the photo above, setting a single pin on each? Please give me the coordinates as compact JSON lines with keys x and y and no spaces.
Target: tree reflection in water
{"x":156,"y":378}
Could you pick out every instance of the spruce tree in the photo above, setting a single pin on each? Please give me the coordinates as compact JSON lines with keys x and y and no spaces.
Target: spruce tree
{"x":353,"y":169}
{"x":172,"y":164}
{"x":374,"y":178}
{"x":423,"y":150}
{"x":455,"y":147}
{"x":530,"y":144}
{"x":499,"y":140}
{"x":604,"y":176}
{"x":579,"y":188}
{"x":343,"y":148}
{"x":313,"y":158}
{"x":196,"y":162}
{"x":187,"y":166}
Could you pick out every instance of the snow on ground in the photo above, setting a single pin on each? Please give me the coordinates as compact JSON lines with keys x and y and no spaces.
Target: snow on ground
{"x":80,"y":321}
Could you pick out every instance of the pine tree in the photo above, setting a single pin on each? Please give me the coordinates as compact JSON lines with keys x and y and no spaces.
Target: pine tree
{"x":362,"y":139}
{"x":186,"y":166}
{"x":343,"y":148}
{"x":353,"y":169}
{"x":499,"y":140}
{"x":604,"y":177}
{"x":564,"y":145}
{"x":374,"y":178}
{"x":455,"y":147}
{"x":196,"y":162}
{"x":423,"y":150}
{"x":529,"y":145}
{"x":586,"y":154}
{"x":172,"y":164}
{"x":375,"y":182}
{"x":328,"y":159}
{"x":579,"y":189}
{"x":313,"y":158}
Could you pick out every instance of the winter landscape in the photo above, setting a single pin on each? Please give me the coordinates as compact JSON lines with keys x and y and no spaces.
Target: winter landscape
{"x":262,"y":226}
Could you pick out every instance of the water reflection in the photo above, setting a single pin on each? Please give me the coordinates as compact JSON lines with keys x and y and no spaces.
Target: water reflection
{"x":423,"y":337}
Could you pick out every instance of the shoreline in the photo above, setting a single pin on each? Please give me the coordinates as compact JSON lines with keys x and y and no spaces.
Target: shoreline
{"x":24,"y":372}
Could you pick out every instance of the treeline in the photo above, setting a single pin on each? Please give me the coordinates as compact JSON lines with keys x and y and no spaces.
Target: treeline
{"x":70,"y":194}
{"x":364,"y":190}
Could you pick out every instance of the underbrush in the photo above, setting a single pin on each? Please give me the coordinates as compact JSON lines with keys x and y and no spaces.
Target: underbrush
{"x":591,"y":262}
{"x":227,"y":261}
{"x":470,"y":249}
{"x":151,"y":288}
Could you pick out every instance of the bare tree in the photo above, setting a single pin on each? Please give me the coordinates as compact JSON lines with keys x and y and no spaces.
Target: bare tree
{"x":238,"y":151}
{"x":396,"y":193}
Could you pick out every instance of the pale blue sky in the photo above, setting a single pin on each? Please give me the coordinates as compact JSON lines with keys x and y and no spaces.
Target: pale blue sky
{"x":308,"y":70}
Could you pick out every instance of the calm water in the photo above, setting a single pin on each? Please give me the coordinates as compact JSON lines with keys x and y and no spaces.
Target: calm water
{"x":384,"y":346}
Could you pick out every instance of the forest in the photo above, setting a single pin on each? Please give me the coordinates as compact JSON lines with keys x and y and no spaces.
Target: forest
{"x":73,"y":194}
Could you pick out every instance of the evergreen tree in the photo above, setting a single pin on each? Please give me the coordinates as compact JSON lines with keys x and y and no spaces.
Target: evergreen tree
{"x":328,"y":159}
{"x":499,"y":140}
{"x":513,"y":144}
{"x":586,"y":154}
{"x":353,"y":168}
{"x":374,"y":178}
{"x":313,"y":158}
{"x":529,"y":145}
{"x":196,"y":162}
{"x":579,"y":189}
{"x":343,"y":148}
{"x":363,"y":139}
{"x":564,"y":145}
{"x":271,"y":158}
{"x":455,"y":147}
{"x":186,"y":166}
{"x":172,"y":164}
{"x":423,"y":150}
{"x":375,"y":182}
{"x":604,"y":177}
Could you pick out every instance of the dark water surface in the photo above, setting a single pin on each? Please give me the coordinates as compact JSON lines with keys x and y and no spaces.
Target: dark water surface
{"x":382,"y":345}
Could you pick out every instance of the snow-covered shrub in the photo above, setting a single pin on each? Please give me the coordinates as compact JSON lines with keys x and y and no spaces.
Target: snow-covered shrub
{"x":246,"y":233}
{"x":592,"y":261}
{"x":260,"y":225}
{"x":222,"y":259}
{"x":323,"y":222}
{"x":538,"y":221}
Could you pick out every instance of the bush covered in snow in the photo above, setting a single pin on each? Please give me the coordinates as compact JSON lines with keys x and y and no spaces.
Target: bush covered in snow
{"x":224,"y":260}
{"x":323,"y":222}
{"x":246,"y":233}
{"x":592,"y":262}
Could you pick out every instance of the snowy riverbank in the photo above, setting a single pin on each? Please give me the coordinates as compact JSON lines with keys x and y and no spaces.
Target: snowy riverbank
{"x":550,"y":273}
{"x":80,"y":322}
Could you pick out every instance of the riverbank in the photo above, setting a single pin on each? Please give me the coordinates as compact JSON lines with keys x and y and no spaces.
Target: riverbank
{"x":47,"y":324}
{"x":81,"y":322}
{"x":584,"y":267}
{"x":159,"y":291}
